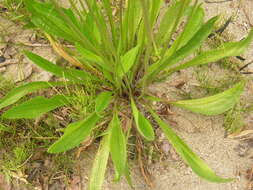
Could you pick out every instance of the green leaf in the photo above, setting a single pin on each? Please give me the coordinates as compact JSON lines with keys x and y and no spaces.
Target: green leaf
{"x":171,"y":20}
{"x":74,"y":134}
{"x":131,"y":21}
{"x":45,"y":16}
{"x":71,"y":74}
{"x":213,"y":105}
{"x":193,"y":24}
{"x":118,"y":146}
{"x":127,"y":61}
{"x":35,"y":107}
{"x":155,"y":10}
{"x":99,"y":165}
{"x":197,"y":165}
{"x":5,"y":129}
{"x":14,"y":95}
{"x":143,"y":125}
{"x":168,"y":21}
{"x":102,"y":101}
{"x":226,"y":50}
{"x":185,"y":51}
{"x":90,"y":56}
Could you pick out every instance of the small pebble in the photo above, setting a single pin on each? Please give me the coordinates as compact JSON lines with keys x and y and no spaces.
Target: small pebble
{"x":2,"y":59}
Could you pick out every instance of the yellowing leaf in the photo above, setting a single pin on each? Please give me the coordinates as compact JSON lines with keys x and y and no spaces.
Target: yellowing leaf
{"x":213,"y":105}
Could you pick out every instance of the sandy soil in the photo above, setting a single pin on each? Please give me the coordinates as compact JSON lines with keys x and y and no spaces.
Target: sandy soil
{"x":205,"y":135}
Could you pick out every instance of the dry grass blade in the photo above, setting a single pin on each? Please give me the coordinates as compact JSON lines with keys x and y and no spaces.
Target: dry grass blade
{"x":59,"y":49}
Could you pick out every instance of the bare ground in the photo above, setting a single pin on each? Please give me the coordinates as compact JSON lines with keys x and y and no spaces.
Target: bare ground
{"x":229,"y":157}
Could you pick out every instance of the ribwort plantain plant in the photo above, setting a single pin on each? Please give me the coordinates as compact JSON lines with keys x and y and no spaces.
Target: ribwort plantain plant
{"x":123,"y":53}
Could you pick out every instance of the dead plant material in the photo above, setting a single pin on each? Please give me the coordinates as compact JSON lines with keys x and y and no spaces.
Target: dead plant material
{"x":9,"y":62}
{"x":84,"y":146}
{"x":222,"y":28}
{"x":145,"y":173}
{"x":60,"y":50}
{"x":222,"y":1}
{"x":247,"y":134}
{"x":245,"y":66}
{"x":249,"y":176}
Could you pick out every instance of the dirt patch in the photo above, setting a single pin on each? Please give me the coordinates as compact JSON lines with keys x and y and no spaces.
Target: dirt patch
{"x":205,"y":135}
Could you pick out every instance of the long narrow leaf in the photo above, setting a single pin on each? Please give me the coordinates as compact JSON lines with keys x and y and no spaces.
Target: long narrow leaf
{"x":102,"y":101}
{"x":185,"y":51}
{"x":213,"y":105}
{"x":35,"y":107}
{"x":226,"y":50}
{"x":143,"y":125}
{"x":99,"y":164}
{"x":74,"y":134}
{"x":118,"y":146}
{"x":193,"y":24}
{"x":127,"y":61}
{"x":167,"y":22}
{"x":71,"y":74}
{"x":19,"y":92}
{"x":197,"y":165}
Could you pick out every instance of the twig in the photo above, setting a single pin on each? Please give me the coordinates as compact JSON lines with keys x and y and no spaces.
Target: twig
{"x":44,"y":45}
{"x":8,"y":62}
{"x":222,"y":28}
{"x":243,"y":67}
{"x":222,"y":1}
{"x":143,"y":172}
{"x":247,"y":73}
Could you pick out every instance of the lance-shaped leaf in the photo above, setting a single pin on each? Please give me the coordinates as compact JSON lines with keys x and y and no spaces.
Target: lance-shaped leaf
{"x":143,"y":125}
{"x":193,"y":44}
{"x":118,"y":146}
{"x":71,"y":74}
{"x":213,"y":105}
{"x":127,"y":61}
{"x":102,"y":101}
{"x":168,"y":21}
{"x":19,"y":92}
{"x":193,"y":24}
{"x":74,"y":134}
{"x":92,"y":57}
{"x":35,"y":107}
{"x":197,"y":165}
{"x":226,"y":50}
{"x":99,"y":164}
